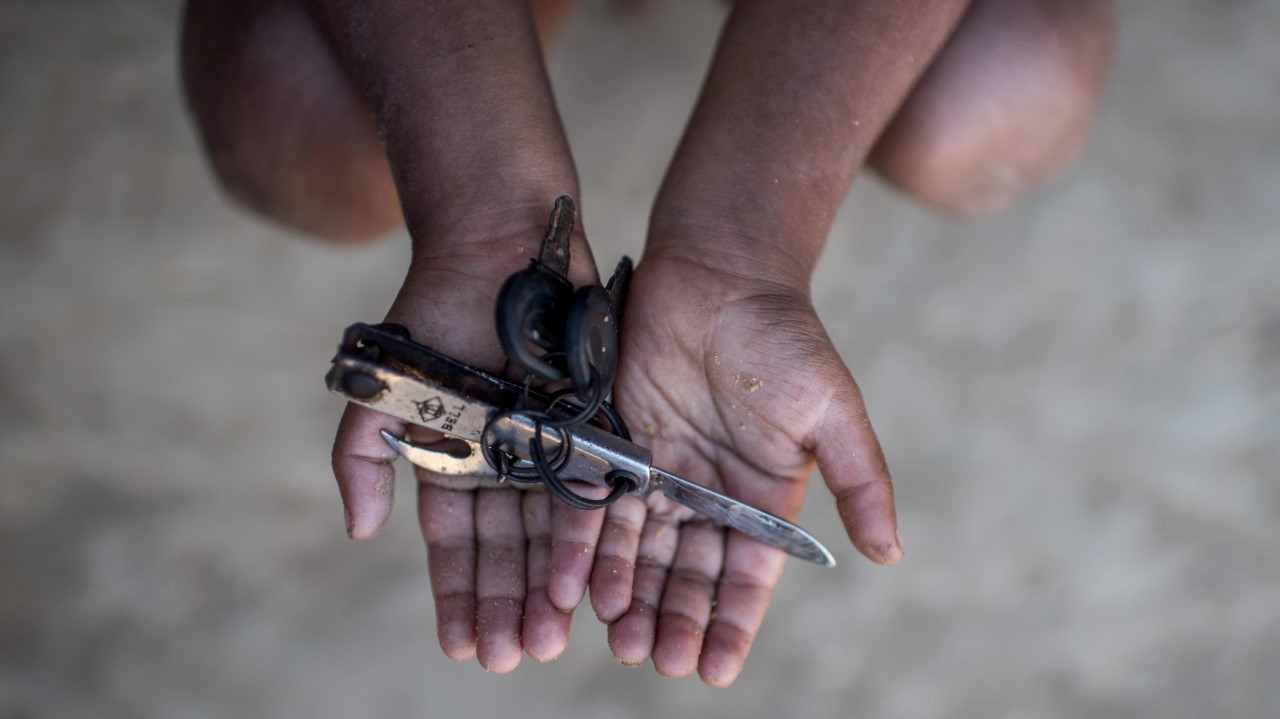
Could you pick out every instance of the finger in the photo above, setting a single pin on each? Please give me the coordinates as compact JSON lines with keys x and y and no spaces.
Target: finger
{"x":500,"y":579}
{"x":574,"y":533}
{"x":363,"y":466}
{"x":613,"y":573}
{"x":751,"y":571}
{"x":854,"y":468}
{"x":546,"y":629}
{"x":687,"y":601}
{"x":447,"y":518}
{"x":631,"y":637}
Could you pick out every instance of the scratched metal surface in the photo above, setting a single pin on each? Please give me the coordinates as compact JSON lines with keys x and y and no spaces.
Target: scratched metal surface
{"x":1080,"y":400}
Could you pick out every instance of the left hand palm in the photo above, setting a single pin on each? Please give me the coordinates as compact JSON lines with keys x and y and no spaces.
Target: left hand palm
{"x":733,"y":384}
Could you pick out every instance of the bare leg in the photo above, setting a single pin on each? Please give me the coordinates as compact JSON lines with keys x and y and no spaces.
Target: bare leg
{"x":286,"y":131}
{"x":1006,"y":104}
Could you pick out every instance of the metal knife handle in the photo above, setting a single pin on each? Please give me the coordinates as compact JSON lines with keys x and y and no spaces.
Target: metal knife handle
{"x":383,"y":371}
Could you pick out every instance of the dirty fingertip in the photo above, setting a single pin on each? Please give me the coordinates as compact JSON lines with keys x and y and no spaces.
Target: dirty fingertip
{"x":881,"y":550}
{"x":631,"y":640}
{"x":366,"y":525}
{"x":719,"y":671}
{"x":546,"y":647}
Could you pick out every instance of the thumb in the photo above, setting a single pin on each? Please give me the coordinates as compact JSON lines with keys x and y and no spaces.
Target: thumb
{"x":363,"y":466}
{"x":854,"y":469}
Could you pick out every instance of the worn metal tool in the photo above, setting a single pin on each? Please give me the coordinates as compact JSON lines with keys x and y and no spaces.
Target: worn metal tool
{"x":381,"y":368}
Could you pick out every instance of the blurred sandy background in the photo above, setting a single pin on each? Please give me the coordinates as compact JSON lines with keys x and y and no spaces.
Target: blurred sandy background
{"x":1080,"y":401}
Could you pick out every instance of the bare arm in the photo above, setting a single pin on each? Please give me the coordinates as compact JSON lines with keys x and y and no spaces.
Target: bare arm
{"x":795,"y":99}
{"x":462,"y":102}
{"x":726,"y":369}
{"x":476,"y":148}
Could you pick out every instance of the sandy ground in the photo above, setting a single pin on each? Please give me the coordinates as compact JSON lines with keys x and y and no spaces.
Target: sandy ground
{"x":1080,"y":401}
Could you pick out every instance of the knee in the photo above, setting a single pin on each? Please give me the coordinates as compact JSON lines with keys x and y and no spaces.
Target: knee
{"x":1006,"y":106}
{"x":284,"y":132}
{"x":320,"y":188}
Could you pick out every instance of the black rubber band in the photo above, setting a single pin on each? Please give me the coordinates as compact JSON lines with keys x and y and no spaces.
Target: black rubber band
{"x":620,"y":483}
{"x":548,"y":470}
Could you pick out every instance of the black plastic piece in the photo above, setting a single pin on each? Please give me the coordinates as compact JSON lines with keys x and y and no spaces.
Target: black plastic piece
{"x":531,"y":311}
{"x":591,"y":342}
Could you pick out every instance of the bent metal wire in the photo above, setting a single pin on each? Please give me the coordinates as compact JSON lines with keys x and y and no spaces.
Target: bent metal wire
{"x":522,"y":430}
{"x":544,"y":467}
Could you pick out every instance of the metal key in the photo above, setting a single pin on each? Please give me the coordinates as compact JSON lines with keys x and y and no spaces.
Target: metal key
{"x":379,"y":368}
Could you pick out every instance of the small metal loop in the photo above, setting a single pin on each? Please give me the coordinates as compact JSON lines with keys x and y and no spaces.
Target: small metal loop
{"x":617,"y":425}
{"x":621,"y":479}
{"x":547,"y":470}
{"x":584,"y":413}
{"x":620,"y":483}
{"x":503,"y":463}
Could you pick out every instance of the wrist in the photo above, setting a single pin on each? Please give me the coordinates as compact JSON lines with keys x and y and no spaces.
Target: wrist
{"x":457,"y":268}
{"x":463,"y":107}
{"x":484,"y":238}
{"x":733,"y":255}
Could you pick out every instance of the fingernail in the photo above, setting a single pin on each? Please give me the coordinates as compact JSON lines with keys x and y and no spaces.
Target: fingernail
{"x":346,"y":516}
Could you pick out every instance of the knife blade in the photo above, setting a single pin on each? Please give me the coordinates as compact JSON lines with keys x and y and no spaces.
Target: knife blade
{"x":751,"y":521}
